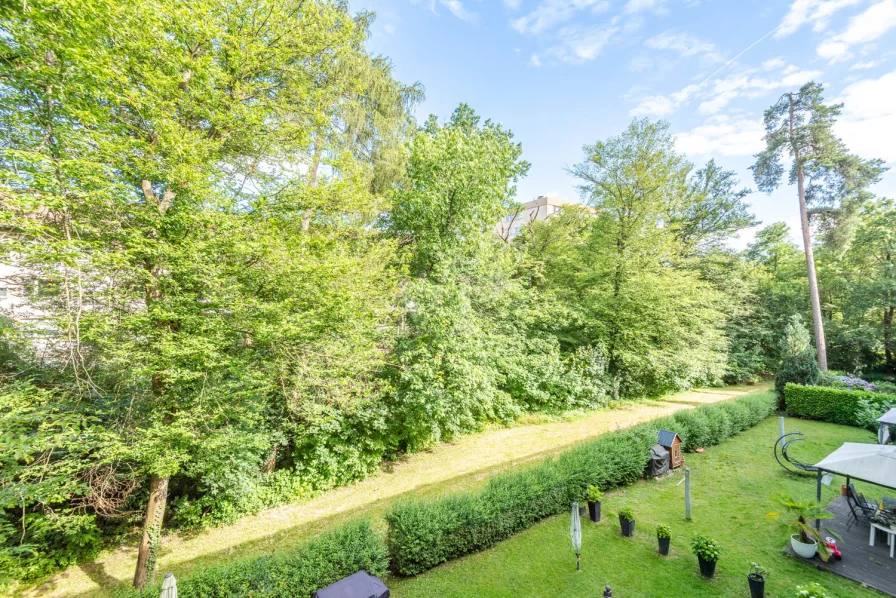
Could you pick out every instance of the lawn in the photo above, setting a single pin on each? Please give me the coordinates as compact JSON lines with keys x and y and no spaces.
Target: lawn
{"x":463,"y":464}
{"x":734,"y":485}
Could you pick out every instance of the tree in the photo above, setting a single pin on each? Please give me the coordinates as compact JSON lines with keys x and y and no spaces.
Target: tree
{"x":153,"y":182}
{"x":712,"y":209}
{"x":661,"y":325}
{"x":800,"y":125}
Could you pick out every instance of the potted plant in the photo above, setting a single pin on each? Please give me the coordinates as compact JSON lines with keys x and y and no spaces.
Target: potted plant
{"x":663,"y":536}
{"x":756,"y":578}
{"x":594,"y":495}
{"x":813,"y":590}
{"x":708,"y":552}
{"x":627,"y":521}
{"x":807,"y":541}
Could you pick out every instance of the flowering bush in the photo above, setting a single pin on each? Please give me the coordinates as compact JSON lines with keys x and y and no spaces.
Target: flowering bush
{"x":813,"y":590}
{"x":852,"y":382}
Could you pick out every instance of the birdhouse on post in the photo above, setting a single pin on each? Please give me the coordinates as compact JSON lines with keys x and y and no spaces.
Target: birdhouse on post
{"x":671,"y":441}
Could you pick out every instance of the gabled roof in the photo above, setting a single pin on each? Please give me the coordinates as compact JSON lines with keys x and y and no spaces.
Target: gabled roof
{"x":666,"y":438}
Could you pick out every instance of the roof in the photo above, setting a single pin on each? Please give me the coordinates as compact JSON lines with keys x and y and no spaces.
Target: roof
{"x":889,"y":417}
{"x":666,"y":438}
{"x":874,"y":463}
{"x":543,"y":200}
{"x":357,"y":585}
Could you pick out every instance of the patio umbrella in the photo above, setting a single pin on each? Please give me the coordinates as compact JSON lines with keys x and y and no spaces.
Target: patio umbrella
{"x":575,"y":532}
{"x":169,"y":587}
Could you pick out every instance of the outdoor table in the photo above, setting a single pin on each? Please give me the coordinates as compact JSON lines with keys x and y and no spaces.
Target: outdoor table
{"x":891,"y":536}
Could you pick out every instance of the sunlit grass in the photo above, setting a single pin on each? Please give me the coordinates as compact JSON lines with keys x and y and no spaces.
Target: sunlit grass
{"x":734,"y":485}
{"x":465,"y":463}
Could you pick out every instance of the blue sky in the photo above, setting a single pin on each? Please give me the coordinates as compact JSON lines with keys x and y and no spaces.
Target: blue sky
{"x":564,"y":73}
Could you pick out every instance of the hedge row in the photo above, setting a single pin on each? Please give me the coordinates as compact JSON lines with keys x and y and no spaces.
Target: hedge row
{"x":834,"y":405}
{"x":298,"y":572}
{"x":423,"y":534}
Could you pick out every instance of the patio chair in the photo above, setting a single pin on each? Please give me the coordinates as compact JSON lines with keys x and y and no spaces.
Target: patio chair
{"x":860,"y":509}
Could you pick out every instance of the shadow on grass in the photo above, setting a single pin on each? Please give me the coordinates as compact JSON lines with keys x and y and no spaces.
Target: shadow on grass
{"x":288,"y":537}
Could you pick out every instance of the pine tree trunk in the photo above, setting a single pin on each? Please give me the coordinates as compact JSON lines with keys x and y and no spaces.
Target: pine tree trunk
{"x":817,"y":322}
{"x":152,"y":528}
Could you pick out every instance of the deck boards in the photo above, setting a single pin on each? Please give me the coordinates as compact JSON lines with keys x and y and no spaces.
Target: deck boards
{"x":868,"y":565}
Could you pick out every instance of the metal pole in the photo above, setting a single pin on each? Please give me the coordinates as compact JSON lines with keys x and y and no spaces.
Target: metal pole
{"x":780,"y":427}
{"x":818,"y":496}
{"x":687,"y":493}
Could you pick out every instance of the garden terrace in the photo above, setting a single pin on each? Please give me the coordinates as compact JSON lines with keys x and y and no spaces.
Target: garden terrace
{"x":866,"y":564}
{"x":734,"y":488}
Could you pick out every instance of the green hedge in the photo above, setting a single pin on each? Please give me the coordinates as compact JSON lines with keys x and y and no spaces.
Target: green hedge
{"x":835,"y":405}
{"x":298,"y":572}
{"x":423,"y":534}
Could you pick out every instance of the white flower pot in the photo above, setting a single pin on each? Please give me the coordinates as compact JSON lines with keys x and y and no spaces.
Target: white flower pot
{"x":807,"y":551}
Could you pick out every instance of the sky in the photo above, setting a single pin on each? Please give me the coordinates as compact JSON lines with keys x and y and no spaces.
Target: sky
{"x":565,"y":73}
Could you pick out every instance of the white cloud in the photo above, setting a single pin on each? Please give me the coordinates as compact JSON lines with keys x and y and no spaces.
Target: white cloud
{"x":582,"y":44}
{"x":457,"y":9}
{"x":513,"y":4}
{"x":864,"y":66}
{"x":685,"y":45}
{"x":774,"y":64}
{"x":642,"y":5}
{"x":723,"y":135}
{"x":863,"y":28}
{"x":816,"y":12}
{"x":717,"y":95}
{"x":535,"y":61}
{"x":663,"y":105}
{"x":550,"y":13}
{"x":868,"y":121}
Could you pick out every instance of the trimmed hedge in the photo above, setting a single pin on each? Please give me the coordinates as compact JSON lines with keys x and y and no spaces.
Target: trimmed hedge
{"x":834,"y":405}
{"x":298,"y":572}
{"x":423,"y":534}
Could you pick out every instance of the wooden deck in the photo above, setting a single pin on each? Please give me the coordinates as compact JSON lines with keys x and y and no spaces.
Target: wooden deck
{"x":868,"y":565}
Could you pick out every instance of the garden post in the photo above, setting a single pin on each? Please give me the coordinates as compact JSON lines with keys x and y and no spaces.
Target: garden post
{"x":687,"y":493}
{"x":818,"y":497}
{"x":780,"y":427}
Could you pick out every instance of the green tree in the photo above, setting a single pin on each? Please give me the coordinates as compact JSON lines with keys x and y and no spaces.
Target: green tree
{"x":661,"y":325}
{"x":712,"y":209}
{"x":800,"y":125}
{"x":153,"y":183}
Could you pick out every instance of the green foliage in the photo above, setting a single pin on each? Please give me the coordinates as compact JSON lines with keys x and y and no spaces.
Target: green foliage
{"x":296,"y":571}
{"x":423,"y":534}
{"x":868,"y":412}
{"x":798,"y":365}
{"x":802,"y":520}
{"x":758,"y":572}
{"x":812,"y":590}
{"x":847,"y":407}
{"x":706,"y":548}
{"x":46,"y":458}
{"x":709,"y":425}
{"x":627,"y":513}
{"x":593,"y":494}
{"x":663,"y":531}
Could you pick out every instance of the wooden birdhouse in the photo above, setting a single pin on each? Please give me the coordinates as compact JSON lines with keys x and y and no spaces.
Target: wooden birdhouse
{"x":672,"y":443}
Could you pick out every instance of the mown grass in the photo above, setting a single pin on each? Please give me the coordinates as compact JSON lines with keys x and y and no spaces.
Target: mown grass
{"x":464,"y":464}
{"x":734,"y":485}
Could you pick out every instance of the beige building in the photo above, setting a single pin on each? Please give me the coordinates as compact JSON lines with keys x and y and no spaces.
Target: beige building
{"x":540,"y":208}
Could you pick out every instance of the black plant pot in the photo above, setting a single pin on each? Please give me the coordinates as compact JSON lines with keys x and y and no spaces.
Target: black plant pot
{"x":594,"y":511}
{"x":583,"y":510}
{"x":757,"y":587}
{"x":707,"y":568}
{"x":628,"y":527}
{"x":664,"y":545}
